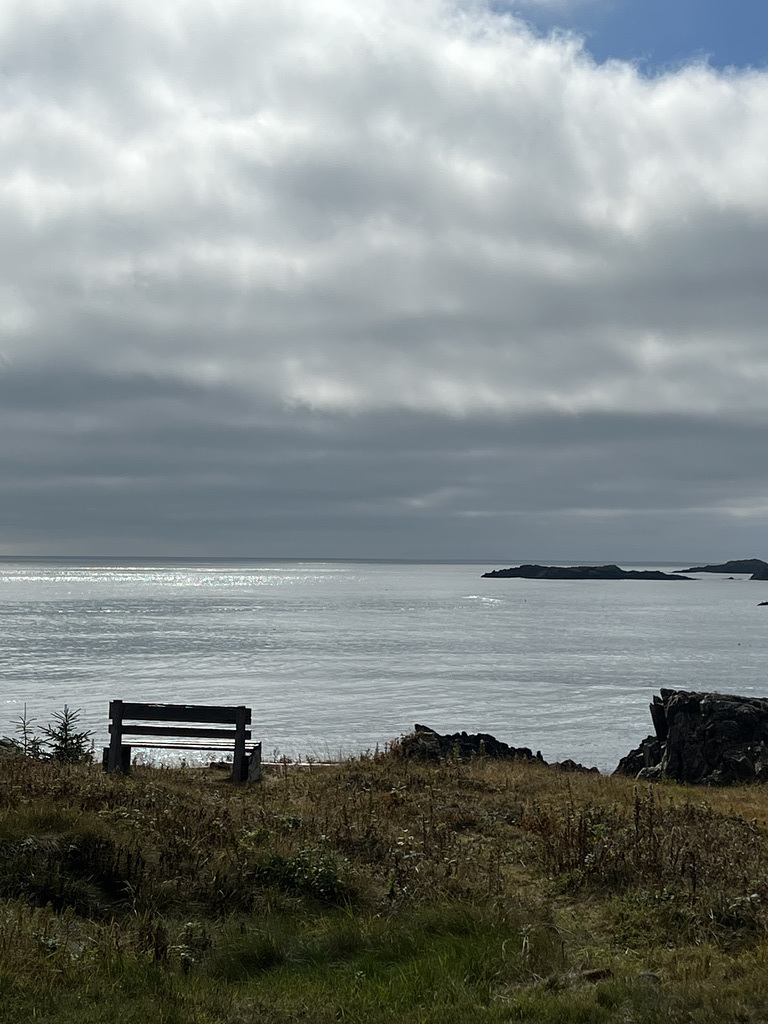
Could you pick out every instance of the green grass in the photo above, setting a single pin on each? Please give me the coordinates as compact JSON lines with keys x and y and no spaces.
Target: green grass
{"x":378,"y":890}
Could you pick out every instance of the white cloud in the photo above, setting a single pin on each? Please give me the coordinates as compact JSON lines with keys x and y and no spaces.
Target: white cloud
{"x":381,"y":205}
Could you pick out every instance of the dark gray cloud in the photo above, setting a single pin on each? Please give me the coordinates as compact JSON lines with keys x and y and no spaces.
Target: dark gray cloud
{"x":136,"y":464}
{"x":392,"y":279}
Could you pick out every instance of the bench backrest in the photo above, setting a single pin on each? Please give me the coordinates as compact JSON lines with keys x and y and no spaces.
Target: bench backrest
{"x":177,"y":712}
{"x":120,"y":710}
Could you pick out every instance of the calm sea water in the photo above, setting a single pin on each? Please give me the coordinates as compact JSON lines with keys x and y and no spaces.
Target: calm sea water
{"x":339,"y":657}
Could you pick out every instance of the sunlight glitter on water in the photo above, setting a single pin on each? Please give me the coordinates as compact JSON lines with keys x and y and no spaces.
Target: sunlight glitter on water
{"x":344,"y":656}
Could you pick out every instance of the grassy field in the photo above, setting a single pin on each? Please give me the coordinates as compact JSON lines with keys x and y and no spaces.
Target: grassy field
{"x":378,"y":890}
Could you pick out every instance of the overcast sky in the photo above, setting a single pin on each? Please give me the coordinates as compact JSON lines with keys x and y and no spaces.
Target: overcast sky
{"x":390,"y":278}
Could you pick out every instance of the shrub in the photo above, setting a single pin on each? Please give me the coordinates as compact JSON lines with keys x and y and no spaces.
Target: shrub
{"x":61,"y":741}
{"x":66,"y":743}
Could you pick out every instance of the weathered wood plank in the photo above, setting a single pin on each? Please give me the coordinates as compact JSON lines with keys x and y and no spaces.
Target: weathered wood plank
{"x":181,"y":746}
{"x":182,"y":713}
{"x":181,"y":730}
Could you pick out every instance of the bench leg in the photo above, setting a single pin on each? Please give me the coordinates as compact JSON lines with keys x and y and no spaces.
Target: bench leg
{"x":124,"y":764}
{"x":240,"y":761}
{"x":114,"y":758}
{"x":254,"y":764}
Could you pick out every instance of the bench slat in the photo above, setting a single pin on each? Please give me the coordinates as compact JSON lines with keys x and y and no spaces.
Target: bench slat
{"x":182,"y":746}
{"x":182,"y":713}
{"x":172,"y":730}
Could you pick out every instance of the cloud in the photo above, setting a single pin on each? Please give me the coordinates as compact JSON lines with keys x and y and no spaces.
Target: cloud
{"x":233,"y":225}
{"x":394,"y":205}
{"x":135,"y":465}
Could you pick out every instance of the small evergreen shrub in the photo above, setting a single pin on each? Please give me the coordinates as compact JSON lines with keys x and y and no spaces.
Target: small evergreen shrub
{"x":64,"y":740}
{"x":61,"y":741}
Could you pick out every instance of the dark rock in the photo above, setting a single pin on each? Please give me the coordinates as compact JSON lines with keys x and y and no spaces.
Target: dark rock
{"x":741,"y":565}
{"x":659,"y":718}
{"x":573,"y":766}
{"x":712,"y":739}
{"x":647,"y":755}
{"x":579,"y":572}
{"x":427,"y":745}
{"x":597,"y":974}
{"x":649,"y":978}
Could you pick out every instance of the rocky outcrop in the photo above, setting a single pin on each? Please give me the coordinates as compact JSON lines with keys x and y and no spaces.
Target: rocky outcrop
{"x":427,"y":745}
{"x":711,"y":739}
{"x":647,"y":755}
{"x":579,"y":572}
{"x":756,"y":566}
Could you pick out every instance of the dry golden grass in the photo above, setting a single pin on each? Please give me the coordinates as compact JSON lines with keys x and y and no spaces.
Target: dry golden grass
{"x":376,"y":890}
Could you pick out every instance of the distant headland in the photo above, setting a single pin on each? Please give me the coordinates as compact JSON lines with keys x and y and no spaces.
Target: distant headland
{"x":756,"y":566}
{"x":582,"y":572}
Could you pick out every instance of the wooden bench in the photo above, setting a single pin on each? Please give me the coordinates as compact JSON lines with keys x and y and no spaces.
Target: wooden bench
{"x":123,"y":715}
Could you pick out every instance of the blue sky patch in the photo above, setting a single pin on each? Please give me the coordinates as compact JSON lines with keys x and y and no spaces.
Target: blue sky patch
{"x":659,"y":34}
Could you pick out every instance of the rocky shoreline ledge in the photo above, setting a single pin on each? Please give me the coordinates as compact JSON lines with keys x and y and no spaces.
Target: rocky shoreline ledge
{"x":708,"y":739}
{"x":425,"y":744}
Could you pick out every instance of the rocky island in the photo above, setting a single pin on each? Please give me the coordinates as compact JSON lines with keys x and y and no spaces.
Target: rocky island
{"x":580,"y":572}
{"x":756,"y":566}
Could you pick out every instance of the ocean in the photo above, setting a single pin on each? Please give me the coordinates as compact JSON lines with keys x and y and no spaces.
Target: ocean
{"x":338,"y":658}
